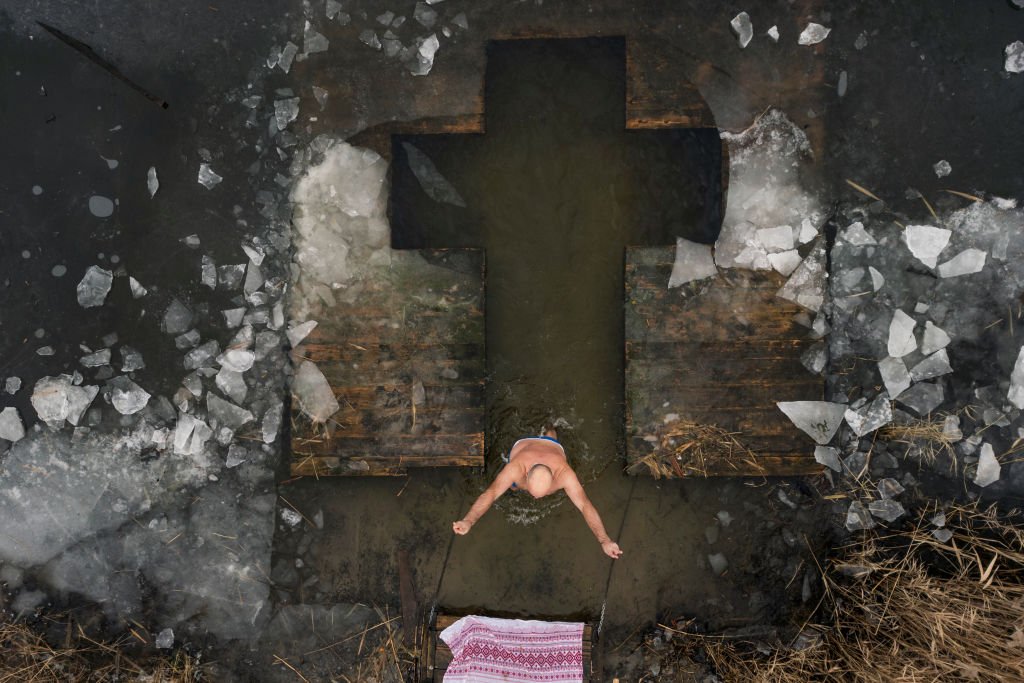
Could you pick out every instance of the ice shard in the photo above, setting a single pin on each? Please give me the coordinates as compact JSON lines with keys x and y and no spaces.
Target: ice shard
{"x":828,"y":456}
{"x":1016,"y":392}
{"x":95,"y":285}
{"x":926,"y":242}
{"x":312,"y":41}
{"x":856,"y":235}
{"x":299,"y":332}
{"x":127,"y":397}
{"x":152,"y":182}
{"x":314,"y":394}
{"x":934,"y":365}
{"x":208,"y":178}
{"x":877,"y":279}
{"x":942,"y":168}
{"x":11,"y":427}
{"x":430,"y":179}
{"x":887,"y":509}
{"x":935,"y":338}
{"x":966,"y":262}
{"x":857,"y":517}
{"x":813,"y":34}
{"x":819,"y":419}
{"x":1014,"y":52}
{"x":901,"y":334}
{"x":988,"y":467}
{"x":806,"y":286}
{"x":743,"y":28}
{"x":693,"y":262}
{"x":923,"y":398}
{"x":869,"y":418}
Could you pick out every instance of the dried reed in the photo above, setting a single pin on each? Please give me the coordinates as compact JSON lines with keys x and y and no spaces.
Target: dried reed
{"x":27,"y":655}
{"x":920,"y":610}
{"x":688,"y":449}
{"x":924,"y":437}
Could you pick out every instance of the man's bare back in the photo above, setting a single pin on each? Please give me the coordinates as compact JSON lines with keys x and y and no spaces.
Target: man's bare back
{"x":538,"y":465}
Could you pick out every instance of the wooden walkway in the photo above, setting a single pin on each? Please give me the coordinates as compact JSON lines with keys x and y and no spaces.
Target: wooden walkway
{"x":404,"y":354}
{"x":718,"y":353}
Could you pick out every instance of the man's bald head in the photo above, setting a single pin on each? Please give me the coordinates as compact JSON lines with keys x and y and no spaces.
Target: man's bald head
{"x":539,"y":479}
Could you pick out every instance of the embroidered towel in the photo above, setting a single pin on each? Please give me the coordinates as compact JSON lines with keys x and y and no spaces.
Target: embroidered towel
{"x":487,"y":649}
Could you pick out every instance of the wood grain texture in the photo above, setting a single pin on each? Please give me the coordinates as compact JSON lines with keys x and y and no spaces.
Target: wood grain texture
{"x":720,"y":352}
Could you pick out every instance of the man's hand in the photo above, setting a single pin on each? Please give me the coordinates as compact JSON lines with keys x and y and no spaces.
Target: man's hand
{"x":610,"y":548}
{"x":462,"y":527}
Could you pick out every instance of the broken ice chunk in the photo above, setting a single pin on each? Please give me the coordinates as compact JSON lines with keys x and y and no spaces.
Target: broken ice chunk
{"x":236,"y":456}
{"x":842,"y":84}
{"x":314,"y":394}
{"x":288,"y":53}
{"x":202,"y":356}
{"x":207,"y":177}
{"x":253,"y":250}
{"x":369,"y":37}
{"x":11,"y":427}
{"x":187,"y":340}
{"x":320,"y":95}
{"x":190,"y":435}
{"x":785,"y":262}
{"x":933,"y":366}
{"x":225,"y":414}
{"x":165,"y":639}
{"x":299,"y":332}
{"x":152,"y":182}
{"x":926,"y":242}
{"x":738,"y":246}
{"x":693,"y":262}
{"x":230,"y":277}
{"x":901,"y":334}
{"x":743,"y":28}
{"x":461,"y":21}
{"x":718,"y":563}
{"x":856,"y":235}
{"x":807,"y":231}
{"x":425,"y":55}
{"x":50,"y":399}
{"x":951,"y":428}
{"x":773,"y":33}
{"x":233,"y":317}
{"x":923,"y":398}
{"x":889,"y":488}
{"x":966,"y":262}
{"x":209,"y":272}
{"x":424,"y":14}
{"x":806,"y":286}
{"x":1014,"y":57}
{"x":774,"y":240}
{"x":138,"y":291}
{"x":313,"y":41}
{"x":1016,"y":393}
{"x":988,"y":467}
{"x":177,"y":318}
{"x":814,"y":33}
{"x":95,"y":285}
{"x":237,"y":360}
{"x":97,"y":359}
{"x":866,"y":420}
{"x":939,"y":519}
{"x":935,"y":338}
{"x":876,"y":278}
{"x":290,"y":517}
{"x":430,"y":179}
{"x":253,"y":278}
{"x":232,"y":383}
{"x":857,"y":517}
{"x":101,"y":207}
{"x":943,"y":535}
{"x":12,"y":385}
{"x":127,"y":397}
{"x":819,"y":419}
{"x":888,"y":509}
{"x":286,"y":111}
{"x":814,"y":358}
{"x":828,"y":456}
{"x":271,"y":423}
{"x":942,"y":168}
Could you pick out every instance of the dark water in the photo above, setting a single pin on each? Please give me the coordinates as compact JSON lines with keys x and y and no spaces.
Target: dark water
{"x":555,"y":190}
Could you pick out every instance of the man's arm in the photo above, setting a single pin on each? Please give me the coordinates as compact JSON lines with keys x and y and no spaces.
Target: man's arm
{"x":483,"y":503}
{"x":578,"y":496}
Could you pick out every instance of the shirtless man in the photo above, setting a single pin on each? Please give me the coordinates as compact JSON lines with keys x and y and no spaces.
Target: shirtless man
{"x":538,"y":465}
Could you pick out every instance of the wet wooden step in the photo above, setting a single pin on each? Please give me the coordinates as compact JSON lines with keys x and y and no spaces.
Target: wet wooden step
{"x":719,"y":352}
{"x":404,"y":355}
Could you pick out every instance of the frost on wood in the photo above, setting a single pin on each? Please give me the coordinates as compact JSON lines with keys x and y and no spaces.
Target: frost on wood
{"x":313,"y":393}
{"x":819,"y":419}
{"x":693,"y":262}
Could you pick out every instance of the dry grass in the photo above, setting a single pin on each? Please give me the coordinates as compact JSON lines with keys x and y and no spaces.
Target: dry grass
{"x":924,"y":438}
{"x":921,"y":610}
{"x":689,"y":449}
{"x":26,"y":655}
{"x":389,"y":659}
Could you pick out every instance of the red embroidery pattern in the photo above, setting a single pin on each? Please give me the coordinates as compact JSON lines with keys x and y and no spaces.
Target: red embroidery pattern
{"x":486,"y":649}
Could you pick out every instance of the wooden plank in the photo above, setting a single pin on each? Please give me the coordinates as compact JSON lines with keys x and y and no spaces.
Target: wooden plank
{"x":441,"y":421}
{"x":404,"y":372}
{"x":343,"y":351}
{"x":654,"y":102}
{"x":719,"y":352}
